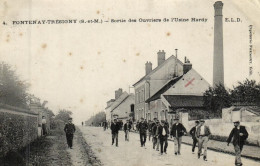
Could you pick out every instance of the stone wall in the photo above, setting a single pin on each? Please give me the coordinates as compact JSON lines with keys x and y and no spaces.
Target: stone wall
{"x":18,"y":127}
{"x":220,"y":127}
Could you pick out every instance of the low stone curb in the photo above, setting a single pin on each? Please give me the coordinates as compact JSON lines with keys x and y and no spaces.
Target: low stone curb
{"x":92,"y":159}
{"x":218,"y":150}
{"x":225,"y":151}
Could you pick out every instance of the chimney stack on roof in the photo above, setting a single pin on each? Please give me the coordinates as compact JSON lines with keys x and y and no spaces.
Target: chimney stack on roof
{"x":118,"y":93}
{"x":148,"y":67}
{"x":187,"y":66}
{"x":160,"y":57}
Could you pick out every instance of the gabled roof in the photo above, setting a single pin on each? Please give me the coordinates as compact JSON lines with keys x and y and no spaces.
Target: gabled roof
{"x":157,"y":68}
{"x":120,"y":100}
{"x":165,"y":87}
{"x":170,"y":84}
{"x":183,"y":101}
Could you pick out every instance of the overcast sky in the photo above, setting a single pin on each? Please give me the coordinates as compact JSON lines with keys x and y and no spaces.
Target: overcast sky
{"x":79,"y":66}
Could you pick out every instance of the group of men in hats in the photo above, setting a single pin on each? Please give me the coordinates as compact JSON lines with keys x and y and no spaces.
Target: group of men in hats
{"x":160,"y":132}
{"x":200,"y":134}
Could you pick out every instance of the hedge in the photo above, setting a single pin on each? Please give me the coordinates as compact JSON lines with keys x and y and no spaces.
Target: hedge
{"x":16,"y":131}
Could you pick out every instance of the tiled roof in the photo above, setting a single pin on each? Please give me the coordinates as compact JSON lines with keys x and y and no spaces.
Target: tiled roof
{"x":120,"y":100}
{"x":157,"y":68}
{"x":184,"y":101}
{"x":165,"y":87}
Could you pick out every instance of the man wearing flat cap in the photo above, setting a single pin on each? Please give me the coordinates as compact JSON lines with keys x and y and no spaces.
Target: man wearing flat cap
{"x":153,"y":123}
{"x":193,"y":134}
{"x":239,"y":135}
{"x":127,"y":128}
{"x":155,"y":136}
{"x":177,"y":131}
{"x":115,"y":127}
{"x":202,"y":134}
{"x":69,"y":130}
{"x":163,"y":134}
{"x":143,"y":131}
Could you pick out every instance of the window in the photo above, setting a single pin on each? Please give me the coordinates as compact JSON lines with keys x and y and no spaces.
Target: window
{"x":142,"y":96}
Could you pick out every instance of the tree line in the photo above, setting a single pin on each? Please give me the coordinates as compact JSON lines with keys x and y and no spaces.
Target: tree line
{"x":246,"y":93}
{"x":96,"y":120}
{"x":14,"y":92}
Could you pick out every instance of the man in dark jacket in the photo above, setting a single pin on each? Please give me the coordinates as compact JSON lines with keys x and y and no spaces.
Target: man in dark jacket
{"x":239,"y":135}
{"x":155,"y":136}
{"x":127,"y":128}
{"x":69,"y":130}
{"x":153,"y":123}
{"x":177,"y":131}
{"x":193,"y":135}
{"x":115,"y":127}
{"x":137,"y":125}
{"x":142,"y":130}
{"x":163,"y":134}
{"x":105,"y":125}
{"x":150,"y":129}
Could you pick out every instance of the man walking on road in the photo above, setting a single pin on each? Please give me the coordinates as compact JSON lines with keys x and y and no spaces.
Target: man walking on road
{"x":177,"y":131}
{"x":150,"y":123}
{"x":69,"y":130}
{"x":155,"y":136}
{"x":193,"y":135}
{"x":163,"y":133}
{"x":202,"y":134}
{"x":239,"y":135}
{"x":153,"y":123}
{"x":127,"y":128}
{"x":115,"y":127}
{"x":142,"y":130}
{"x":105,"y":125}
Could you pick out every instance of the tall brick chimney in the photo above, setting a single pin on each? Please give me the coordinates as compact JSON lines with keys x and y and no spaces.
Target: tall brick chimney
{"x":160,"y":57}
{"x":218,"y":61}
{"x":187,"y":66}
{"x":148,"y":67}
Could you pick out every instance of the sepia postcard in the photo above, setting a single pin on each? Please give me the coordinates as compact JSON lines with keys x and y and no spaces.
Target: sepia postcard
{"x":130,"y":83}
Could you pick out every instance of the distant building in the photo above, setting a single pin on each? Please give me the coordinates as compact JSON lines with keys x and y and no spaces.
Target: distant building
{"x":121,"y":107}
{"x":108,"y":110}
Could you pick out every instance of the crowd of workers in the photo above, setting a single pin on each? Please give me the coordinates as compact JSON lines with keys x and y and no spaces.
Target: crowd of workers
{"x":160,"y":131}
